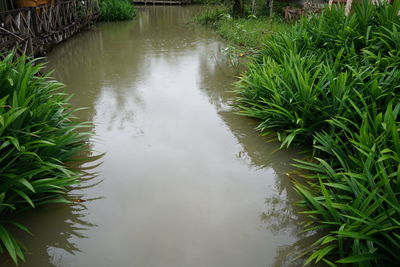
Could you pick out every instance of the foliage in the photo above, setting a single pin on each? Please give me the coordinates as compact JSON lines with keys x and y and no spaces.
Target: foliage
{"x":112,"y":10}
{"x":37,"y":138}
{"x":333,"y":81}
{"x":251,"y":32}
{"x":212,"y":15}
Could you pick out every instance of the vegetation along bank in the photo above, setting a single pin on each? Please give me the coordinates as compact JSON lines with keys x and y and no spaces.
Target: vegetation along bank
{"x":332,"y":82}
{"x":38,"y":138}
{"x":247,"y":34}
{"x":113,"y":10}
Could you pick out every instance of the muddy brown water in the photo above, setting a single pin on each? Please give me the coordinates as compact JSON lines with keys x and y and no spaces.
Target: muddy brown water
{"x":185,"y":181}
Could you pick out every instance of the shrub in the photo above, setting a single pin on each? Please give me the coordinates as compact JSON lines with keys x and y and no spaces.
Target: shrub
{"x":333,"y":81}
{"x":320,"y":61}
{"x":38,"y":136}
{"x":112,"y":10}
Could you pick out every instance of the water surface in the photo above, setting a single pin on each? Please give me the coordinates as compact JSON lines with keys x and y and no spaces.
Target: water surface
{"x":185,"y":181}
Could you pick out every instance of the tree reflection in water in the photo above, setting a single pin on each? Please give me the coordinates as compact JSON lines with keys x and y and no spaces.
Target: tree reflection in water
{"x":280,"y":214}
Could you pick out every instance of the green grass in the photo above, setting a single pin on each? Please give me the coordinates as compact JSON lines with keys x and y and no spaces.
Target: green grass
{"x":113,"y":10}
{"x":333,"y":82}
{"x":251,"y":33}
{"x":38,"y":137}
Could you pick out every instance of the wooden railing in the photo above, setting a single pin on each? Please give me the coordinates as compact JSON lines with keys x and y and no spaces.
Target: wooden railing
{"x":33,"y":30}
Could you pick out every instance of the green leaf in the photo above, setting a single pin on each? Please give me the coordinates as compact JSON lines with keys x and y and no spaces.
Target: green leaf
{"x":24,"y":196}
{"x":358,"y":258}
{"x":9,"y":243}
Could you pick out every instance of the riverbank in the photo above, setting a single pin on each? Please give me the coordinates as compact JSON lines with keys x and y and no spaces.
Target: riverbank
{"x":249,"y":34}
{"x":331,"y":82}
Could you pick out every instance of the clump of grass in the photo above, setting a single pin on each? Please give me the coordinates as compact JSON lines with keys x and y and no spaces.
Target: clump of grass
{"x":333,"y":82}
{"x":250,"y":33}
{"x":38,"y":137}
{"x":113,"y":10}
{"x":212,"y":15}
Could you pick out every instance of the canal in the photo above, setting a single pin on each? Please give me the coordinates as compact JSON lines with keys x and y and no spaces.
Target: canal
{"x":183,"y":180}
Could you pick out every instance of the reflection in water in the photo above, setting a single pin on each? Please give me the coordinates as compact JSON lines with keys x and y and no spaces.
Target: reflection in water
{"x":280,"y":215}
{"x":56,"y":226}
{"x":186,"y":182}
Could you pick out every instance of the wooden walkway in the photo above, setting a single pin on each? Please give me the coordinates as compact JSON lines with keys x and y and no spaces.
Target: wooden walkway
{"x":33,"y":30}
{"x":162,"y":2}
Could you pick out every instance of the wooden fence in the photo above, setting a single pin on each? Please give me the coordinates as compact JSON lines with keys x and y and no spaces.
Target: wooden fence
{"x":33,"y":30}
